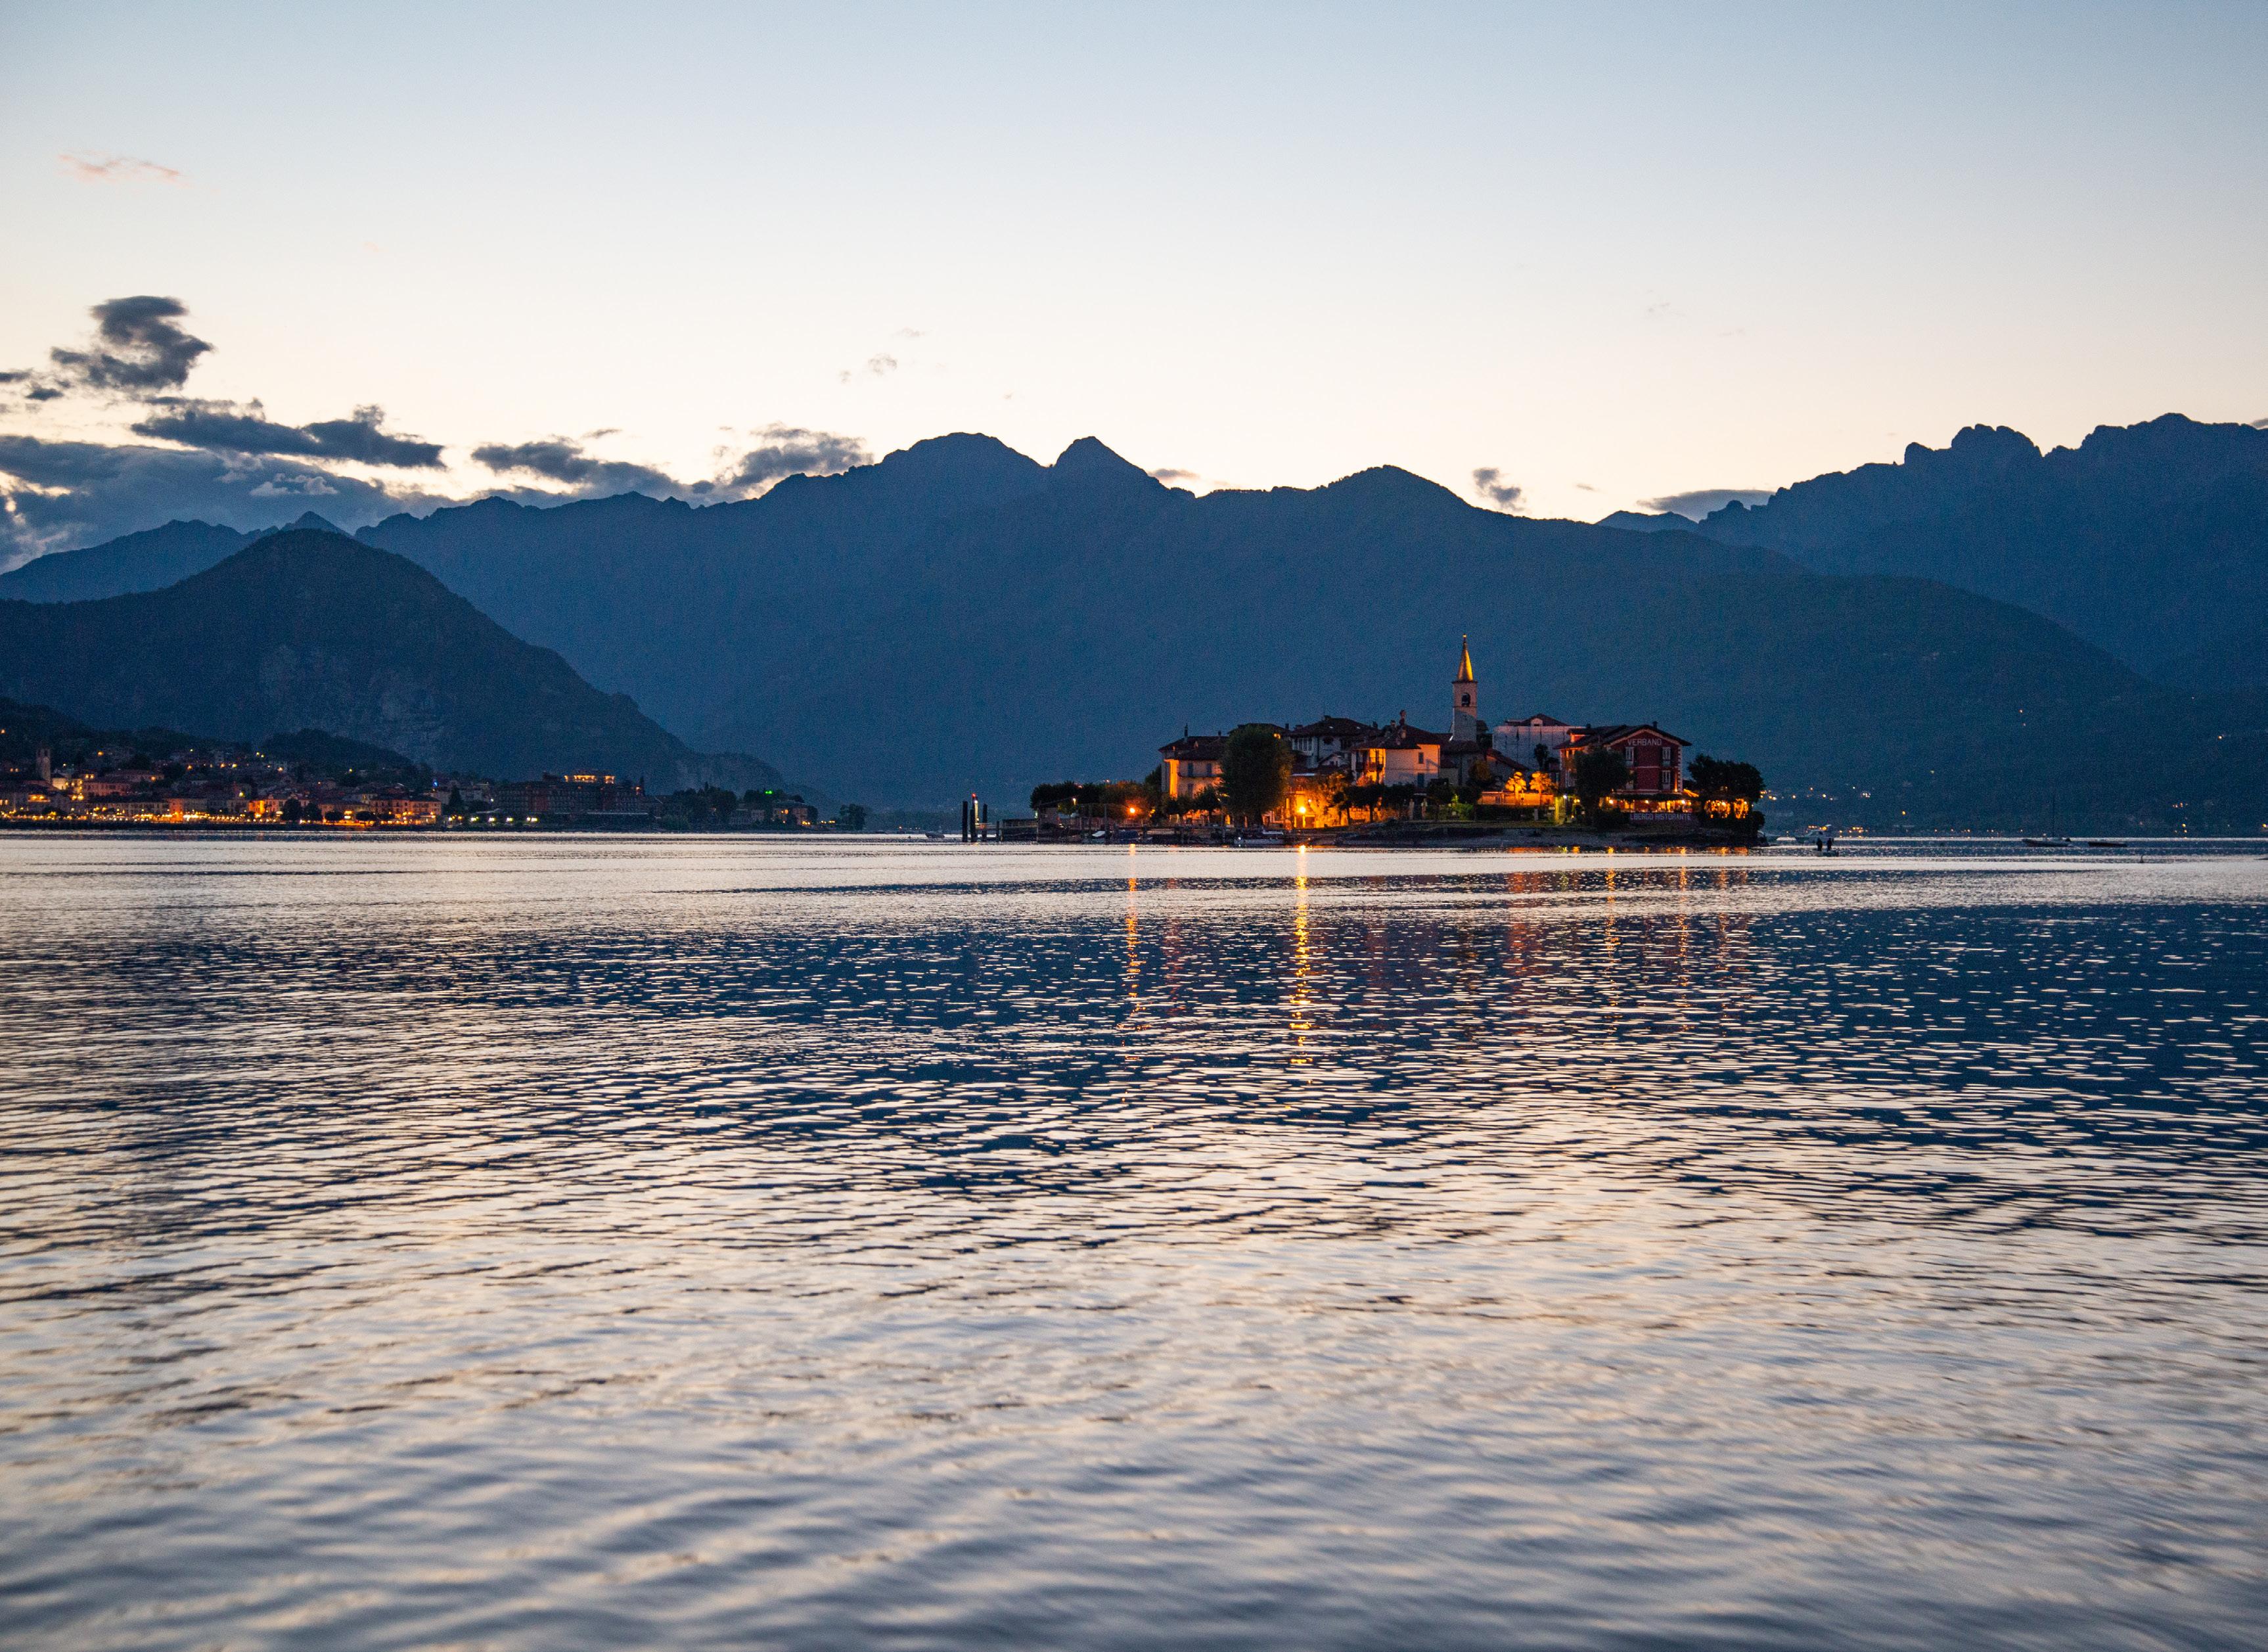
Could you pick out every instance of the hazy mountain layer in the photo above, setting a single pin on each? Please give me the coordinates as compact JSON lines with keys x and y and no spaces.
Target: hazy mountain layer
{"x":309,"y":629}
{"x":148,"y":560}
{"x":2149,"y":541}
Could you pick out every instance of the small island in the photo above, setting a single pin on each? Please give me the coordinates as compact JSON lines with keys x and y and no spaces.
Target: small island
{"x":1537,"y":779}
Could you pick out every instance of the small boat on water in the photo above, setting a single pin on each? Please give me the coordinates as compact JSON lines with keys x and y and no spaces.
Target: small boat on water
{"x":2047,"y":843}
{"x":2104,"y":843}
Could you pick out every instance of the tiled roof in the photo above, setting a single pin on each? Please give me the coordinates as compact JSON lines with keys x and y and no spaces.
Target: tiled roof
{"x":1404,"y":737}
{"x":1614,"y":733}
{"x":1196,"y":748}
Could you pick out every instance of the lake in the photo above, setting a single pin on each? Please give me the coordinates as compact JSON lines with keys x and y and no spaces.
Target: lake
{"x":564,"y":1242}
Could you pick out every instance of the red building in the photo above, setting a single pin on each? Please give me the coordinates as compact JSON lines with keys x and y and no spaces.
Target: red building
{"x":1656,"y":760}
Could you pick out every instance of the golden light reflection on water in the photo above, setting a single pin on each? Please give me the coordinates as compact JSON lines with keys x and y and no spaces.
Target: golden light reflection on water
{"x":1133,"y":937}
{"x":1299,"y":1000}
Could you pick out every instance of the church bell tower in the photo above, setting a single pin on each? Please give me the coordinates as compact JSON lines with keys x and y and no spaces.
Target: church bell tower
{"x":1465,"y":699}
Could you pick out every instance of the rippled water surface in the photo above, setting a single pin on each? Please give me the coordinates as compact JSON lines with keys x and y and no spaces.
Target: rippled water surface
{"x":565,"y":1242}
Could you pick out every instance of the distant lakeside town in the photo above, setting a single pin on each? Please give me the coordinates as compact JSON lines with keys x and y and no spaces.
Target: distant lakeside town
{"x":227,"y":785}
{"x":157,"y":778}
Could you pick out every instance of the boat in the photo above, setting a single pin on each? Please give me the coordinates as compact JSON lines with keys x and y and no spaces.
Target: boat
{"x":2104,"y":843}
{"x":2047,"y":843}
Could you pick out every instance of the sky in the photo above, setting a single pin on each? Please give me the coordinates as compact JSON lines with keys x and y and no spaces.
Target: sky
{"x":1565,"y":260}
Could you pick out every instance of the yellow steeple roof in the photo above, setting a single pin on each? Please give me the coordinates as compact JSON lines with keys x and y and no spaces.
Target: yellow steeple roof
{"x":1465,"y":662}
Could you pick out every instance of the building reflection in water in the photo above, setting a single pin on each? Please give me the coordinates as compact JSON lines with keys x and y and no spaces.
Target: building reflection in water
{"x":1303,"y":966}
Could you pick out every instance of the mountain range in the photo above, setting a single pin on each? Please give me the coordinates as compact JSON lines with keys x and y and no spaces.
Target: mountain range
{"x":1968,"y":637}
{"x":2149,"y":541}
{"x":308,"y":629}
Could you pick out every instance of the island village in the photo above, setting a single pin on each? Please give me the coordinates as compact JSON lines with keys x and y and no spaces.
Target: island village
{"x":1384,"y":782}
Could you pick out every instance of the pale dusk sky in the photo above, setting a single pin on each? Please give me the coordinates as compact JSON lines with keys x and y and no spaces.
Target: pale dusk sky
{"x":1614,"y":253}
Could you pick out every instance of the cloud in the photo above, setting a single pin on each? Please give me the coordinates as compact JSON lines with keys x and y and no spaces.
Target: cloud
{"x":1168,"y":475}
{"x":1489,"y":482}
{"x":40,"y":389}
{"x":1699,"y":503}
{"x":781,"y":451}
{"x":561,"y":459}
{"x":227,"y":462}
{"x":137,"y":349}
{"x":54,"y":495}
{"x":876,"y":367}
{"x":785,"y":450}
{"x":117,"y":169}
{"x":230,"y":428}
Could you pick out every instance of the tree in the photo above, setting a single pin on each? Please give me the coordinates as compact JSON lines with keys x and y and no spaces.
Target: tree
{"x":1122,"y":801}
{"x":1720,"y":781}
{"x":1600,"y":772}
{"x":456,"y":807}
{"x":852,"y":817}
{"x":1256,"y":772}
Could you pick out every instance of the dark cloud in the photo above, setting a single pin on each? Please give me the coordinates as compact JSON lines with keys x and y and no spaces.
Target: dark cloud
{"x":1701,"y":501}
{"x":781,"y":451}
{"x":1169,"y":475}
{"x":117,"y":169}
{"x":561,"y":459}
{"x":230,"y":428}
{"x":138,"y":348}
{"x":1489,"y":482}
{"x":55,"y":495}
{"x":784,"y":450}
{"x":230,"y":464}
{"x":38,"y":390}
{"x":358,"y":438}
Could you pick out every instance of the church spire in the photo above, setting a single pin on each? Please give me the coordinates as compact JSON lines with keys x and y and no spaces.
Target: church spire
{"x":1465,"y":699}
